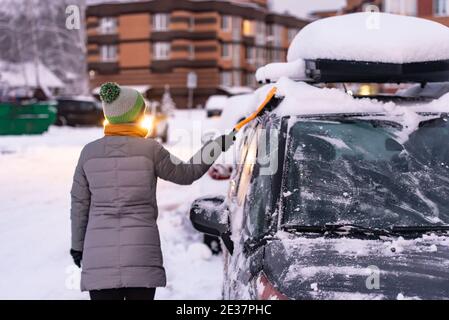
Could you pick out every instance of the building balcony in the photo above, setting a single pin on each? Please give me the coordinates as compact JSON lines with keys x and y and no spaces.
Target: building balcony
{"x":165,"y":36}
{"x":104,"y":67}
{"x":163,"y":66}
{"x":103,"y":39}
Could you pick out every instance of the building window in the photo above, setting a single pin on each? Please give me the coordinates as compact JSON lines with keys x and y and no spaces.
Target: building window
{"x":108,"y":53}
{"x":237,"y":78}
{"x":250,"y":55}
{"x":226,"y":78}
{"x":261,"y":56}
{"x":226,"y":51}
{"x":236,"y":56}
{"x":251,"y":80}
{"x":276,"y":35}
{"x":276,"y":55}
{"x":161,"y":51}
{"x":261,"y":33}
{"x":292,"y":32}
{"x":236,"y":28}
{"x":441,"y":7}
{"x":161,"y":22}
{"x":226,"y":23}
{"x":191,"y":52}
{"x":404,"y":7}
{"x":192,"y":23}
{"x":248,"y":28}
{"x":108,"y":25}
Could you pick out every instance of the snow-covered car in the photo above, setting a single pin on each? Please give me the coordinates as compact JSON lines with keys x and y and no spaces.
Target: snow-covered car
{"x":336,"y":196}
{"x":215,"y":105}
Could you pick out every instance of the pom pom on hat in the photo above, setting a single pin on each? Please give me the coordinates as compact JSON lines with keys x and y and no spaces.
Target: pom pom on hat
{"x":109,"y":92}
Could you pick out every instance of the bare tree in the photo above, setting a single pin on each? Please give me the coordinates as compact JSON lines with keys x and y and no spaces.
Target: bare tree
{"x":35,"y":30}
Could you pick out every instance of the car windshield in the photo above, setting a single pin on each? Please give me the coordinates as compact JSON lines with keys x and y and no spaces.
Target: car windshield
{"x":355,"y":170}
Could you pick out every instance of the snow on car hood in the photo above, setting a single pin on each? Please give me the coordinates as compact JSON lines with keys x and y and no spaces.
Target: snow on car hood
{"x":361,"y":36}
{"x":321,"y":268}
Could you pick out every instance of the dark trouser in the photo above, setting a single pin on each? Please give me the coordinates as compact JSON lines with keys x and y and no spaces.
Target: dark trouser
{"x":123,"y":294}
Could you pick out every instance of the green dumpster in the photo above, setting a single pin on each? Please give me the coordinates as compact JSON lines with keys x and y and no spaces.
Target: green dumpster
{"x":33,"y":118}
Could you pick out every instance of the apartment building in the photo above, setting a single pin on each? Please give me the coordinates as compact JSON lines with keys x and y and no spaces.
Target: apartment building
{"x":158,"y":43}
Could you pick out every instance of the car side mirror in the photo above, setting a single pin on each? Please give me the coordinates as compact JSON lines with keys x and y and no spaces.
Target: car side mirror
{"x":393,"y":145}
{"x":210,"y":216}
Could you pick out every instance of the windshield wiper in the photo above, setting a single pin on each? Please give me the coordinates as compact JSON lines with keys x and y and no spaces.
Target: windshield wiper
{"x":348,"y":230}
{"x":419,"y":230}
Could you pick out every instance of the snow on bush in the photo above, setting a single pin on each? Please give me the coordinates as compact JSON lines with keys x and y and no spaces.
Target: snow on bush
{"x":369,"y":36}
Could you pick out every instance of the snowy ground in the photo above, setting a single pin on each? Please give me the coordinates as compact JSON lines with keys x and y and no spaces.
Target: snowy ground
{"x":36,"y":173}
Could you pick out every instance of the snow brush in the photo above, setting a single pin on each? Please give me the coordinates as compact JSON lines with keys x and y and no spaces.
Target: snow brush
{"x":270,"y":103}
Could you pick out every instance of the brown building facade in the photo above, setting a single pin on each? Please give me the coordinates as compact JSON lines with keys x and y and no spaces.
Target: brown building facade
{"x":157,"y":43}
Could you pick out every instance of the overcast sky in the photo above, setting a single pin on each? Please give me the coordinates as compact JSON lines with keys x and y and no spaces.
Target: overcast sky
{"x":302,"y":8}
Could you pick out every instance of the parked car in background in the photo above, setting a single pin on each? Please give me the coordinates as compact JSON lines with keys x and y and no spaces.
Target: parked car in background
{"x":215,"y":105}
{"x":79,"y":111}
{"x":156,"y":121}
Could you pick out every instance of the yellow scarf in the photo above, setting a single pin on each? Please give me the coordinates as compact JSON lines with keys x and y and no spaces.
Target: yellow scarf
{"x":125,"y":130}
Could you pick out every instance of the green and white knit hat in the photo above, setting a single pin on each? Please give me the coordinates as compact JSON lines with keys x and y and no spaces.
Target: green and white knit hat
{"x":121,"y":104}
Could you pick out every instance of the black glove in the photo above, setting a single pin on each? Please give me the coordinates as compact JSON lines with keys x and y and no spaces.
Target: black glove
{"x":226,"y":141}
{"x":77,"y":257}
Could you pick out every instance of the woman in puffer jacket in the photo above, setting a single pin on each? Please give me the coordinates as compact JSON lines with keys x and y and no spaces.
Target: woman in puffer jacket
{"x":115,"y":237}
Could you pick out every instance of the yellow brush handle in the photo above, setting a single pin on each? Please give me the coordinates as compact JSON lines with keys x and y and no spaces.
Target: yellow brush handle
{"x":270,"y":96}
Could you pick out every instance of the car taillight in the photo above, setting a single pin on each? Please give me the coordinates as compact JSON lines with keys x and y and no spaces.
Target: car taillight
{"x":266,"y":291}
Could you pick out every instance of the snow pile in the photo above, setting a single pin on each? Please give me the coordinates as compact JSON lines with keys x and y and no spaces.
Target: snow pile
{"x":361,"y":36}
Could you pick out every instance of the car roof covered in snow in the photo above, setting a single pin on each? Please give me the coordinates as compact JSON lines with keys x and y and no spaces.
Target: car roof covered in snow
{"x":301,"y":98}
